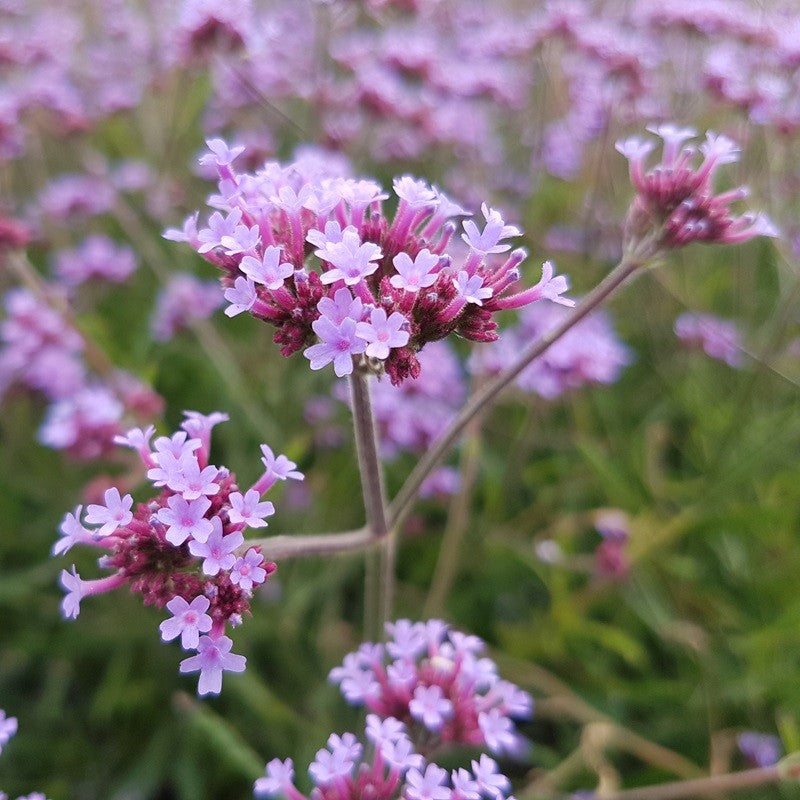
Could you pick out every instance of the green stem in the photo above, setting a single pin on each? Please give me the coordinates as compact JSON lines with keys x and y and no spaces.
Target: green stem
{"x":316,"y":544}
{"x":379,"y":584}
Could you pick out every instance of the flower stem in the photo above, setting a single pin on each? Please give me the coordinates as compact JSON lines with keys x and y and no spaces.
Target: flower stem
{"x":483,"y":398}
{"x":379,"y":585}
{"x":711,"y":786}
{"x":281,"y":548}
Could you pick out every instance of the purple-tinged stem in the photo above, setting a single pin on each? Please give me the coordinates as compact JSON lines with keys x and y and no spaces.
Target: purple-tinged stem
{"x":711,"y":786}
{"x":282,"y":548}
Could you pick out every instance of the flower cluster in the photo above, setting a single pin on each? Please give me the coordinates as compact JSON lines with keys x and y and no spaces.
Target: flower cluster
{"x":317,"y":258}
{"x":41,"y":351}
{"x":183,"y":300}
{"x":718,"y":338}
{"x":343,"y":771}
{"x":434,"y":680}
{"x":676,"y":197}
{"x":590,"y":352}
{"x":184,"y":549}
{"x":97,"y":257}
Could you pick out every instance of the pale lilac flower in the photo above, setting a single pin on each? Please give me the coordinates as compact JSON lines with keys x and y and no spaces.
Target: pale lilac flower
{"x":279,"y":777}
{"x":430,"y":706}
{"x":8,"y":727}
{"x":267,"y":270}
{"x":464,"y":783}
{"x":242,"y":240}
{"x":384,"y":730}
{"x":321,"y":239}
{"x":199,"y":427}
{"x":137,"y":439}
{"x":551,"y":286}
{"x":489,"y":779}
{"x":190,"y":481}
{"x":337,"y":761}
{"x":338,"y":345}
{"x":290,"y":201}
{"x":71,"y":581}
{"x":218,"y":550}
{"x":407,"y":639}
{"x":247,"y":570}
{"x":719,"y":338}
{"x":471,"y":288}
{"x":178,"y":445}
{"x":218,"y":228}
{"x":241,"y":296}
{"x":221,"y":154}
{"x":182,"y":301}
{"x":400,"y":754}
{"x":187,"y":233}
{"x":417,"y":274}
{"x":279,"y":466}
{"x":186,"y":519}
{"x":213,"y":658}
{"x":351,"y":259}
{"x":497,"y":730}
{"x":246,"y":509}
{"x":381,"y":334}
{"x":427,"y":786}
{"x":188,"y":621}
{"x":760,"y":749}
{"x":489,"y":240}
{"x":415,"y":193}
{"x":72,"y":533}
{"x":342,"y":305}
{"x":114,"y":514}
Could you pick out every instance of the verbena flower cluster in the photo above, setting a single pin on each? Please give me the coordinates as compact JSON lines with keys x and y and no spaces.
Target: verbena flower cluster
{"x":319,"y":259}
{"x":677,"y":196}
{"x":345,"y":770}
{"x":184,"y":548}
{"x":40,"y":350}
{"x":589,"y":353}
{"x":435,"y":681}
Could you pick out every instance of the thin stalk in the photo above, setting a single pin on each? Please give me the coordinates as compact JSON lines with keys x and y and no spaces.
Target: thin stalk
{"x":711,"y":786}
{"x":315,"y":544}
{"x":484,"y":397}
{"x":379,"y":583}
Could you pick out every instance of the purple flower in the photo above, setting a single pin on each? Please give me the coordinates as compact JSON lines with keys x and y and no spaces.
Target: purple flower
{"x":417,"y":274}
{"x":408,"y":639}
{"x":213,"y":658}
{"x":248,"y":510}
{"x":218,"y":228}
{"x":241,"y":296}
{"x":342,"y":305}
{"x":242,"y":240}
{"x":267,"y":270}
{"x":8,"y":727}
{"x":497,"y":730}
{"x":339,"y":343}
{"x":415,"y":193}
{"x":221,"y":154}
{"x":466,"y":786}
{"x":351,"y":259}
{"x":471,"y":288}
{"x":430,"y":706}
{"x":279,"y":466}
{"x":114,"y":514}
{"x":72,"y":533}
{"x":186,"y":519}
{"x":760,"y":749}
{"x":190,"y":481}
{"x":337,"y":761}
{"x":71,"y":581}
{"x":489,"y":240}
{"x":427,"y":786}
{"x":381,"y":333}
{"x":189,"y":620}
{"x":279,"y":777}
{"x":217,"y":551}
{"x":489,"y":779}
{"x":247,"y":570}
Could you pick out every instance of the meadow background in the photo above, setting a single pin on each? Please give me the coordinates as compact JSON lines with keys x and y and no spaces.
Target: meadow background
{"x":695,"y":641}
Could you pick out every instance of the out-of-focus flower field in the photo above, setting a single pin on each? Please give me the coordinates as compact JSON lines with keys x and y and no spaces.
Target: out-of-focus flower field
{"x":193,"y":190}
